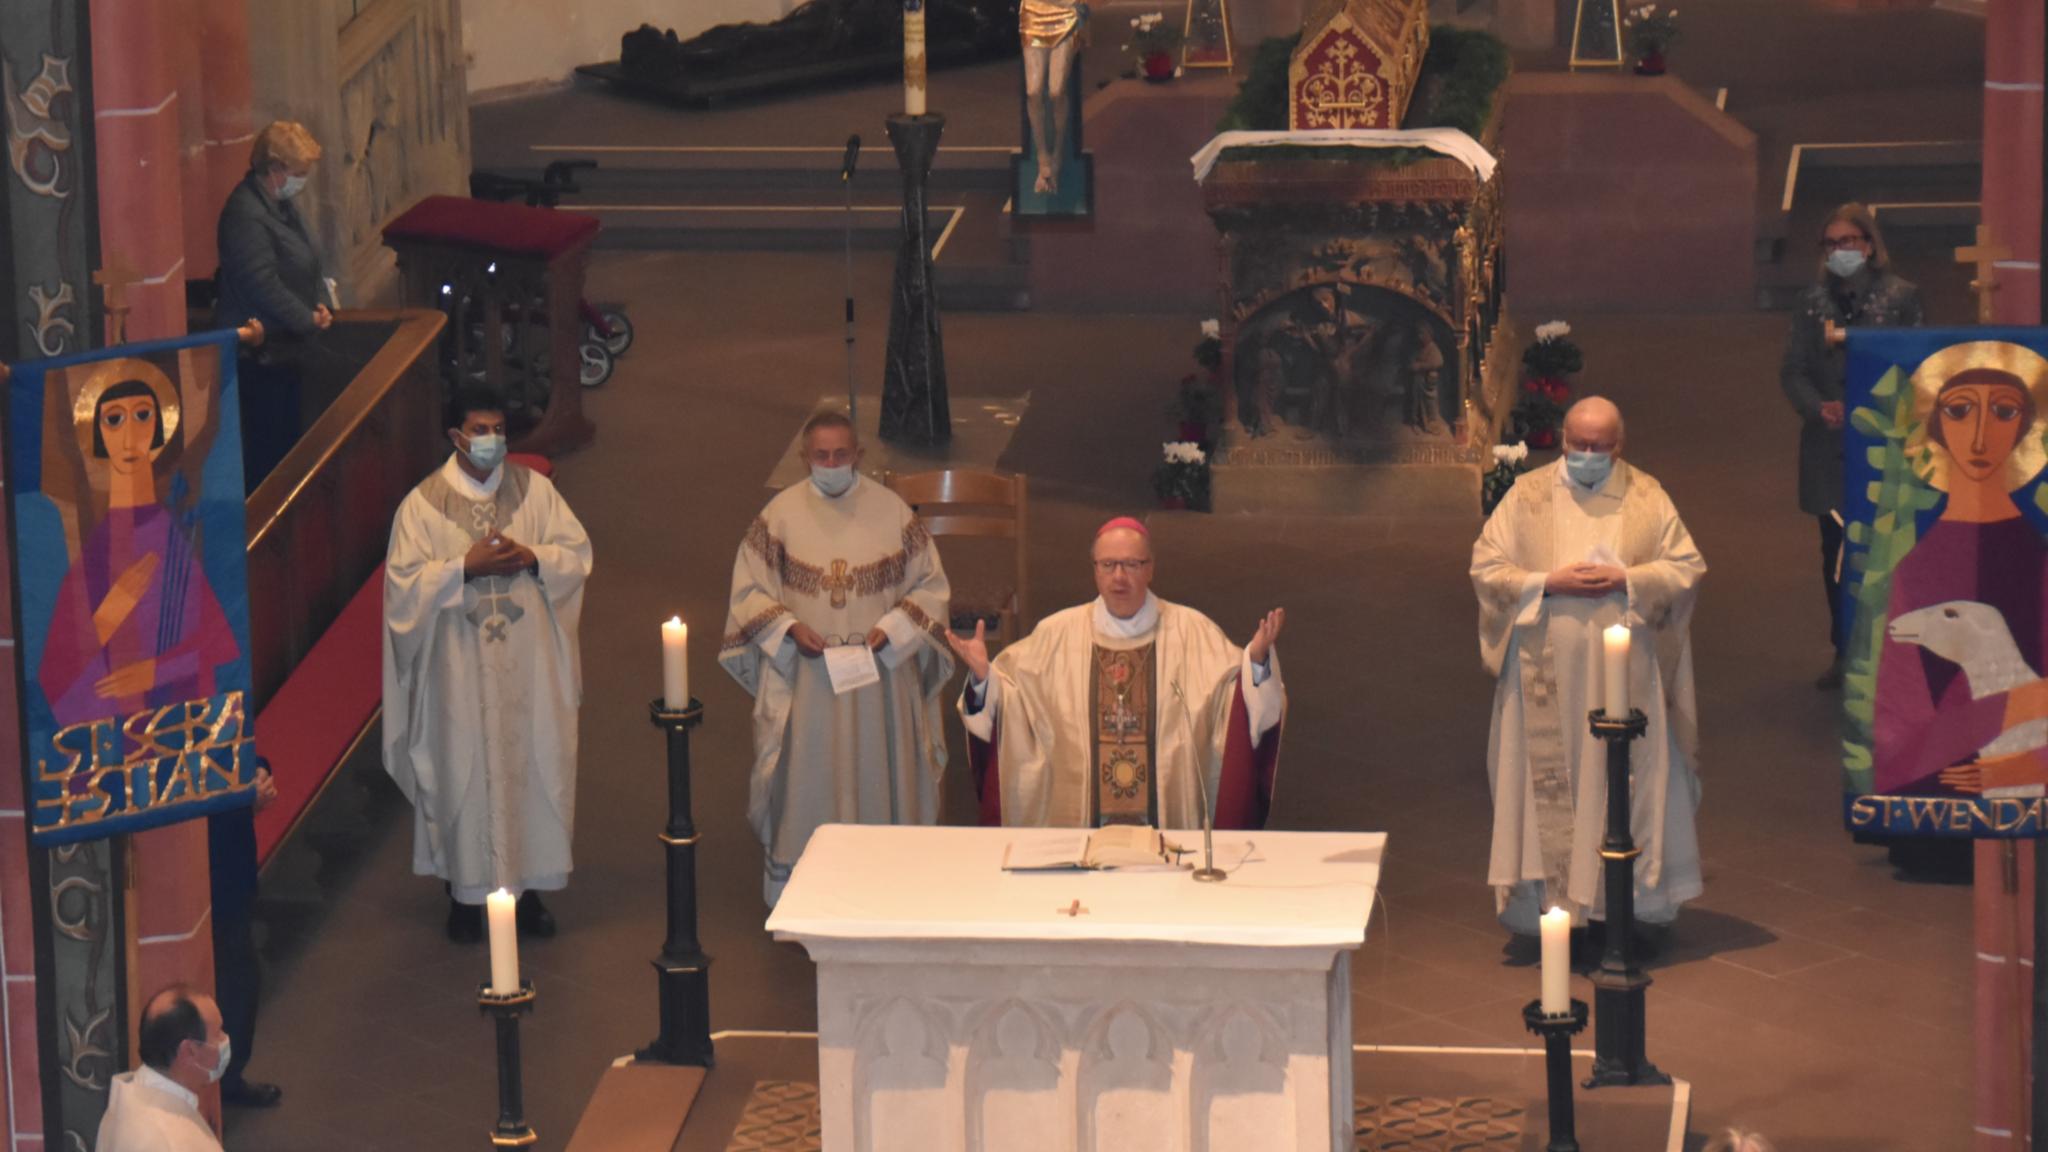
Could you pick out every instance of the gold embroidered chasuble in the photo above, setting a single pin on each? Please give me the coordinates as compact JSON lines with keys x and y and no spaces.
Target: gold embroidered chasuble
{"x":1546,"y":767}
{"x":843,"y":566}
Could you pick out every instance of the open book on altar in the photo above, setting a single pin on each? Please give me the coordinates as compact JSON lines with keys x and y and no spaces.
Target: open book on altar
{"x":1119,"y":846}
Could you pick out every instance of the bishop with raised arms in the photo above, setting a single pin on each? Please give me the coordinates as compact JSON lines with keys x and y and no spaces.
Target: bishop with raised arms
{"x":1116,"y":711}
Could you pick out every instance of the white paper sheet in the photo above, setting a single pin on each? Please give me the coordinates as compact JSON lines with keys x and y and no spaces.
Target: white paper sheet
{"x":851,"y":666}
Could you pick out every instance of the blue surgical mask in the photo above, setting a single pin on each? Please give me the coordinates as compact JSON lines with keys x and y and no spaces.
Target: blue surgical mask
{"x":486,"y":452}
{"x":1846,"y":262}
{"x":292,"y":186}
{"x":1588,"y":469}
{"x":832,"y":481}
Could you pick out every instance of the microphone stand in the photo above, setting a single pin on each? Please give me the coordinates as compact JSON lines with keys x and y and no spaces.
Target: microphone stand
{"x":1208,"y":873}
{"x":846,"y":178}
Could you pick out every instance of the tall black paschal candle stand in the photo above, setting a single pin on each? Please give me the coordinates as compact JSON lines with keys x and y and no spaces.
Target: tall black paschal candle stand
{"x":1619,"y":985}
{"x":683,"y":968}
{"x":915,"y":410}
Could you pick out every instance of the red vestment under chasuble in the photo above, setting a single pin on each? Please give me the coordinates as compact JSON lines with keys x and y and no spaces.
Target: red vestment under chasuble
{"x":1092,"y":720}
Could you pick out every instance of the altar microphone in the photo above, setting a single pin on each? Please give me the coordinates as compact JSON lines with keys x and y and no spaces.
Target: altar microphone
{"x":1208,"y":872}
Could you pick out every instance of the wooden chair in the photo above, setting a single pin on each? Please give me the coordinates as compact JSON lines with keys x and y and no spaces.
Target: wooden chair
{"x":980,"y":505}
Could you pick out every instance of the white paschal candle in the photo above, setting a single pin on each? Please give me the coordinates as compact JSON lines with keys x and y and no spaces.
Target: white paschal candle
{"x":1615,"y":683}
{"x":501,"y":907}
{"x":1557,"y":962}
{"x":913,"y":58}
{"x":675,"y":664}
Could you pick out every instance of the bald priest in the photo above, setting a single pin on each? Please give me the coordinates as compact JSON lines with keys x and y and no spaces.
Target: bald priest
{"x":1115,"y":711}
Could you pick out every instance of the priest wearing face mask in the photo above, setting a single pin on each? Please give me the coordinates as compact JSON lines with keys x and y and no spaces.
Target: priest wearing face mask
{"x":270,"y":273}
{"x":156,"y":1107}
{"x":1117,"y":711}
{"x":1857,"y":289}
{"x":1577,"y":546}
{"x":483,"y":594}
{"x":837,"y":561}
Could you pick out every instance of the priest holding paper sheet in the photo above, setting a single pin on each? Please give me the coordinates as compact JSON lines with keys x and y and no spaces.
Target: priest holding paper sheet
{"x":1115,"y":711}
{"x":1575,"y":548}
{"x":835,"y":628}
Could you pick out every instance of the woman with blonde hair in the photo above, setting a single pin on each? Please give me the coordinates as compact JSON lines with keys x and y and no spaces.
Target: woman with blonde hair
{"x":1856,"y":289}
{"x":270,"y":272}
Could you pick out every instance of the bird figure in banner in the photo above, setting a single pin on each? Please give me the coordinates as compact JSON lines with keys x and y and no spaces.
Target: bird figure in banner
{"x":1974,"y":637}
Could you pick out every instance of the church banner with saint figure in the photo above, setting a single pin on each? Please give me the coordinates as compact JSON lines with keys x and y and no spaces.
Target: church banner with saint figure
{"x":1945,"y":578}
{"x":125,"y":475}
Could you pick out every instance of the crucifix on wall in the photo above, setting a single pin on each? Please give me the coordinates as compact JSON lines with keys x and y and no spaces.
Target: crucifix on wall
{"x":114,"y":278}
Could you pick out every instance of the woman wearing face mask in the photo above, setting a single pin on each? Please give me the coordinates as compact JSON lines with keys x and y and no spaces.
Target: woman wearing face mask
{"x":270,"y":272}
{"x":1857,"y":289}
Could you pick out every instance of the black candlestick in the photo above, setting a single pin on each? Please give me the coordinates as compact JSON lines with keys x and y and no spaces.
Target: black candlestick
{"x":915,"y":410}
{"x":512,"y":1130}
{"x":1557,"y":1032}
{"x":683,"y":968}
{"x":1618,"y":987}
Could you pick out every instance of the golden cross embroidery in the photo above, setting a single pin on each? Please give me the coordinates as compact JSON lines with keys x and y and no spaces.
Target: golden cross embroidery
{"x":1985,"y":255}
{"x":838,"y":584}
{"x":1073,"y":910}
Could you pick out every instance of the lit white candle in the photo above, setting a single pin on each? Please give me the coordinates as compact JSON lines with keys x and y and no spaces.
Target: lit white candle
{"x":913,"y":58}
{"x":1557,"y":962}
{"x":1615,"y":695}
{"x":501,"y":906}
{"x":675,"y":664}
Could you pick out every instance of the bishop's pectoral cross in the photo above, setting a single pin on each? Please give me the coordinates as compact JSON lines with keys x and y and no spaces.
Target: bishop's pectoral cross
{"x":1985,"y":255}
{"x":838,"y":584}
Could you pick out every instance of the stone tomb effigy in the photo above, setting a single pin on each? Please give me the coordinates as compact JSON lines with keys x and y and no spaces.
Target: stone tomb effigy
{"x":1363,"y":295}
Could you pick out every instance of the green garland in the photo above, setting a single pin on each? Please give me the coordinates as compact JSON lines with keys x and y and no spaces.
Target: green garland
{"x":1460,"y":76}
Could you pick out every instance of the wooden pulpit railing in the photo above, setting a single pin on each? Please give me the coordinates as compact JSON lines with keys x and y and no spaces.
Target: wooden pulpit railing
{"x":318,"y":525}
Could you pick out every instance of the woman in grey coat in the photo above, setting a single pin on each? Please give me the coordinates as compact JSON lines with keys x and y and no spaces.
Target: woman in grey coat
{"x":270,"y":271}
{"x":1857,"y":289}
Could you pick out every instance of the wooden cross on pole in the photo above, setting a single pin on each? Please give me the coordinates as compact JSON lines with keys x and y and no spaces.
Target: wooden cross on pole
{"x":1985,"y":255}
{"x":114,"y":279}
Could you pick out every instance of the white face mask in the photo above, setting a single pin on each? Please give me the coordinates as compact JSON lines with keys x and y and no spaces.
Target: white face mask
{"x":223,"y":1056}
{"x":292,"y":186}
{"x":1846,"y":262}
{"x":486,"y":452}
{"x":832,"y":481}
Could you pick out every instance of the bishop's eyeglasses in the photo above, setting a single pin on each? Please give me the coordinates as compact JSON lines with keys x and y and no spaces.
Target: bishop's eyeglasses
{"x":1109,"y":567}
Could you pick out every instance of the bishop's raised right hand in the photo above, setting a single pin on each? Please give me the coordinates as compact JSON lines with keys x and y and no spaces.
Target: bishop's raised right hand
{"x":972,"y":652}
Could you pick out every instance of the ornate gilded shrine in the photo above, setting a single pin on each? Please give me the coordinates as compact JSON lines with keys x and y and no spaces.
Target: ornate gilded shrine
{"x":1357,"y":63}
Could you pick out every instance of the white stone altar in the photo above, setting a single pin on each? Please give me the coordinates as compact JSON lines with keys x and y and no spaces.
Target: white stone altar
{"x":965,"y":1009}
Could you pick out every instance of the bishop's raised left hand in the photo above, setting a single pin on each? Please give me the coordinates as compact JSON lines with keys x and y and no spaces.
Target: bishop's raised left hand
{"x":1261,"y":646}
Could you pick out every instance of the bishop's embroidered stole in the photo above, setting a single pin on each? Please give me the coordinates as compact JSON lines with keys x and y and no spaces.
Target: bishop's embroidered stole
{"x":1121,"y":686}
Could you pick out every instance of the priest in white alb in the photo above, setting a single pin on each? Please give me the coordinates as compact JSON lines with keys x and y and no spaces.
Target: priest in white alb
{"x":837,"y":561}
{"x":483,"y":591}
{"x":1575,"y":547}
{"x":1117,"y":711}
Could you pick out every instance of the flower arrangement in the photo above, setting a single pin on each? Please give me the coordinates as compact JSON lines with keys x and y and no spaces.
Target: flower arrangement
{"x":1547,"y":366}
{"x":1209,"y":350}
{"x":1182,"y":480}
{"x":1650,"y":34}
{"x":1153,"y":43}
{"x":1509,"y":461}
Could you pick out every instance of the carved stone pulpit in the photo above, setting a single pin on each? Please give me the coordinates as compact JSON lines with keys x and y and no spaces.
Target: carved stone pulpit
{"x":1356,"y":64}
